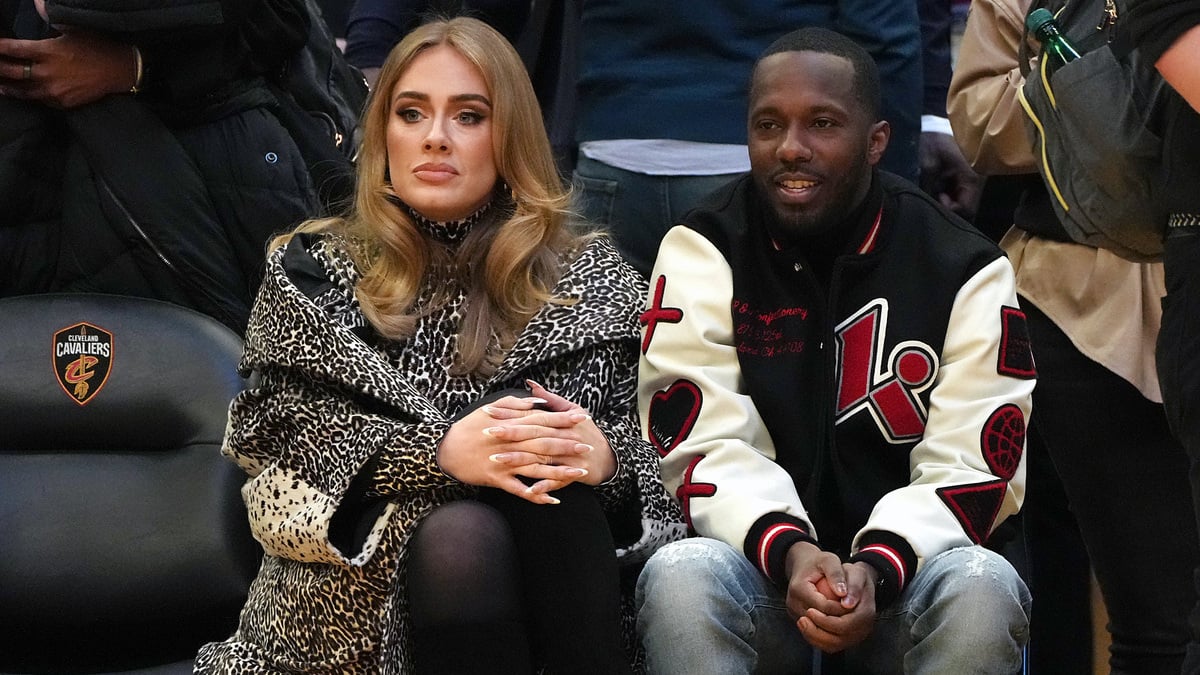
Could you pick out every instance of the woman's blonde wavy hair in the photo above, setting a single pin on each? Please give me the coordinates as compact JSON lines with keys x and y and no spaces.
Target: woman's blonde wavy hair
{"x":512,"y":258}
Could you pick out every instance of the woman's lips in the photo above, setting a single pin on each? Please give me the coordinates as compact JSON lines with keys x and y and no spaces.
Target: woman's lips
{"x":435,"y":173}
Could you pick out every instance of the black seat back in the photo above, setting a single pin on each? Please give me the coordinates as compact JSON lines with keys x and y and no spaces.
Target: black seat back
{"x":123,"y":539}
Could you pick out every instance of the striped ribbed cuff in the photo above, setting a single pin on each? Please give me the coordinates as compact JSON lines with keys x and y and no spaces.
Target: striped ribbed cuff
{"x":892,"y":557}
{"x":769,"y":539}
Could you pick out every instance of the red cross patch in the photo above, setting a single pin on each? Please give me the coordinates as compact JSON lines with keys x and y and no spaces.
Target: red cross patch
{"x":657,"y":313}
{"x":690,"y":489}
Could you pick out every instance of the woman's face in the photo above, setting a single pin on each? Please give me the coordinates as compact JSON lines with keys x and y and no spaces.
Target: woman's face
{"x":439,"y":136}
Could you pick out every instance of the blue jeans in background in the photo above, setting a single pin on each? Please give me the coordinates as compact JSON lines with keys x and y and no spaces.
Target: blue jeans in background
{"x":637,"y":208}
{"x":704,"y":608}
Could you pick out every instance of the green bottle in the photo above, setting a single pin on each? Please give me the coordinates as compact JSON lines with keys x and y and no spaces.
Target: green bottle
{"x":1055,"y":45}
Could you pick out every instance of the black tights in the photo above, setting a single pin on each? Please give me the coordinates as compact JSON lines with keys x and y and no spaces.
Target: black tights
{"x":501,"y":585}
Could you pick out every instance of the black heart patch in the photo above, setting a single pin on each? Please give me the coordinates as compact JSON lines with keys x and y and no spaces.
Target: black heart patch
{"x":673,"y":413}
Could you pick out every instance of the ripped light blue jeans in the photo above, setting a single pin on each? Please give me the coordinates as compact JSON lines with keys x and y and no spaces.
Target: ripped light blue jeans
{"x":703,"y":608}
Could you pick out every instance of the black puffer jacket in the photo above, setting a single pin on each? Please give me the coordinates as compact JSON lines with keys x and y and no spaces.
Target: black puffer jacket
{"x":172,"y":193}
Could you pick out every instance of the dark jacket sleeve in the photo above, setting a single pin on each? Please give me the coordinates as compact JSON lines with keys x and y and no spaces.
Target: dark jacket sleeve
{"x":1154,"y":25}
{"x":121,"y":16}
{"x":195,"y":49}
{"x":375,"y":26}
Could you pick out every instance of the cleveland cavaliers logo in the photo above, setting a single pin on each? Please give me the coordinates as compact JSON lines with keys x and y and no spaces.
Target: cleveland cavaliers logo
{"x":82,"y":360}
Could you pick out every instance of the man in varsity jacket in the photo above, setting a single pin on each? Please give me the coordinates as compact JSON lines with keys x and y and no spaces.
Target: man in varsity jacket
{"x":837,"y":377}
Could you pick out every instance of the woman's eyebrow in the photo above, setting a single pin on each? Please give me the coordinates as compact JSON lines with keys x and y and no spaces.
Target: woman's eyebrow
{"x":480,"y":98}
{"x":459,"y":98}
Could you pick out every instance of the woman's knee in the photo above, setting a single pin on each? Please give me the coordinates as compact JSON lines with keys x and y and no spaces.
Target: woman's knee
{"x":461,"y":561}
{"x":465,"y":519}
{"x":457,"y":538}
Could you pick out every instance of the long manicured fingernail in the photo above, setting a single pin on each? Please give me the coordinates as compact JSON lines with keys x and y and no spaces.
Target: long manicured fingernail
{"x":583,"y":448}
{"x":531,"y":384}
{"x":580,"y":417}
{"x":491,"y":431}
{"x":499,"y":457}
{"x":489,"y":410}
{"x":553,"y":500}
{"x":535,"y":399}
{"x":577,"y":472}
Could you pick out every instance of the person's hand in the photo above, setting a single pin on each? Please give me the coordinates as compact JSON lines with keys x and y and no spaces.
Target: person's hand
{"x":567,"y":421}
{"x":835,"y":632}
{"x":482,"y":450}
{"x":73,"y":69}
{"x":833,"y":602}
{"x":946,"y":175}
{"x":816,"y":580}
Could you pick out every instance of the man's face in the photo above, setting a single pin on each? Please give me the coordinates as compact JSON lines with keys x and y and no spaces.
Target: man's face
{"x":812,"y":144}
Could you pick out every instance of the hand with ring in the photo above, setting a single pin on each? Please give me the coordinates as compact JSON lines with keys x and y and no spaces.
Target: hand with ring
{"x":565,"y":419}
{"x":73,"y":69}
{"x":512,"y":438}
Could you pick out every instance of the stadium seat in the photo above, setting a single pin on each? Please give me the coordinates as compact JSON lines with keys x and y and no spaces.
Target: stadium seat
{"x":124,"y":543}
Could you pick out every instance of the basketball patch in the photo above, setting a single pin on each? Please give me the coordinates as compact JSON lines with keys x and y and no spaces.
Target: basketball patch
{"x":1016,"y":356}
{"x":673,"y":413}
{"x":1003,"y":440}
{"x":82,"y":357}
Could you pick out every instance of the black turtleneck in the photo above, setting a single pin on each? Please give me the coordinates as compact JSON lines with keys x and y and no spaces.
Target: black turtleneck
{"x":450,"y":232}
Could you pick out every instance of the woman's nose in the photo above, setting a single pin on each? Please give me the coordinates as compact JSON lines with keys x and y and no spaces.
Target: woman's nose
{"x":437,"y":139}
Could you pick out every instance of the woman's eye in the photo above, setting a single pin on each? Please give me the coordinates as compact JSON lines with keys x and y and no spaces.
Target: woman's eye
{"x":409,"y":115}
{"x":469,"y":117}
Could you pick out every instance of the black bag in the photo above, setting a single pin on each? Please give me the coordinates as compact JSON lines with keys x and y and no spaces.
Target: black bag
{"x":321,"y":100}
{"x":326,"y":85}
{"x":1096,"y":131}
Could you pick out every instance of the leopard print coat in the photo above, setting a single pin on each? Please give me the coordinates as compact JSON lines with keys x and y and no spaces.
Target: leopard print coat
{"x":333,"y":412}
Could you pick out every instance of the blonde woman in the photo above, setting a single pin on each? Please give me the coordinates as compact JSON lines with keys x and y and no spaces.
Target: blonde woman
{"x":446,"y":470}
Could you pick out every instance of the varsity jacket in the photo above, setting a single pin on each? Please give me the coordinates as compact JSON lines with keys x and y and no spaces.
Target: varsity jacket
{"x":882,"y":418}
{"x":339,"y":445}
